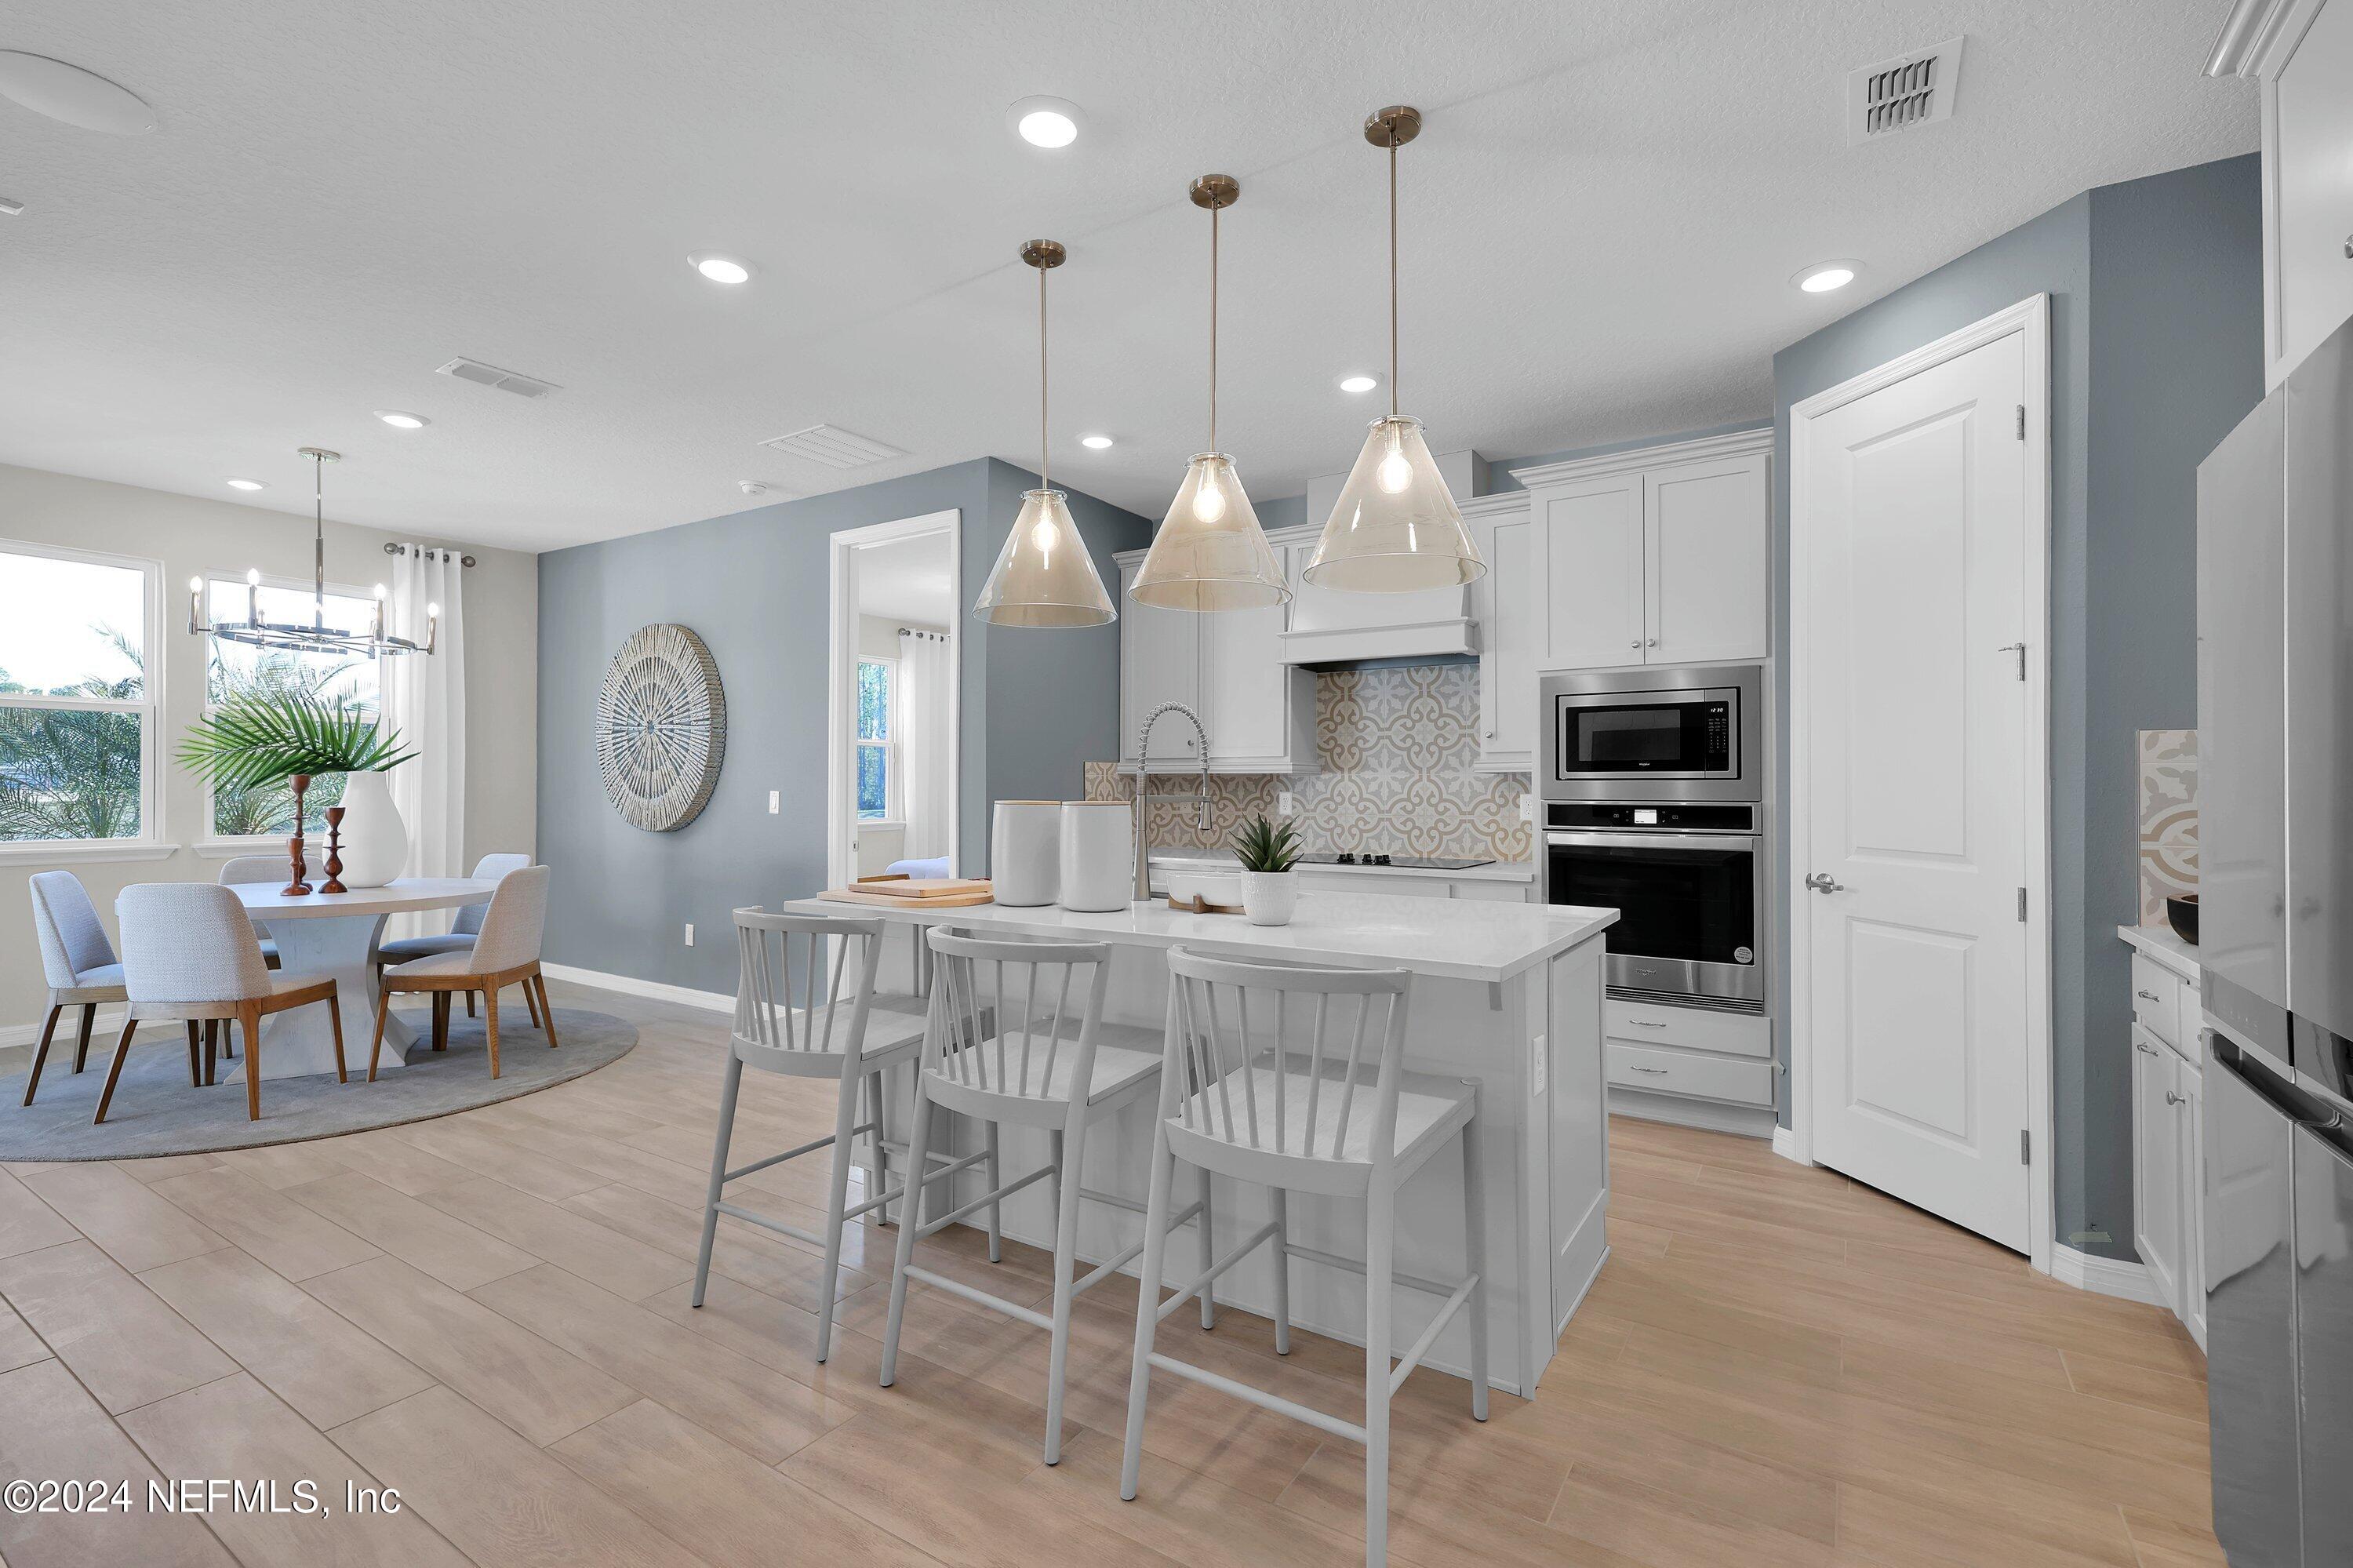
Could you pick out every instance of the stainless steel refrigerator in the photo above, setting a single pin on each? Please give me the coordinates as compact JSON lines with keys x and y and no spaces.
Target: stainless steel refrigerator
{"x":2275,"y":885}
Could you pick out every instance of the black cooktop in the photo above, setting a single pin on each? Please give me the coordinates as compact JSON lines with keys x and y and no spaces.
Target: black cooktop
{"x":1395,"y":861}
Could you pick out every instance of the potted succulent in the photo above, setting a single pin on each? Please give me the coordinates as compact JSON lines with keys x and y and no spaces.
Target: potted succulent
{"x":1269,"y":854}
{"x":291,"y":737}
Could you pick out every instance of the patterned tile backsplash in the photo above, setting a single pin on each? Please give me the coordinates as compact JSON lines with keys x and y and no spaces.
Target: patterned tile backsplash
{"x":1398,"y":747}
{"x":2168,"y":818}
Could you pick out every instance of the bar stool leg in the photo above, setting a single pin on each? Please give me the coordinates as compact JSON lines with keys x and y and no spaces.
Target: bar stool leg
{"x":919,"y":1149}
{"x":845,"y":1116}
{"x":1147,"y":1303}
{"x":727,"y":1089}
{"x":1381,"y":1220}
{"x":1282,"y":1271}
{"x":1474,"y":1253}
{"x":880,"y":1164}
{"x":996,"y":1209}
{"x":1208,"y":1256}
{"x":1066,"y":1257}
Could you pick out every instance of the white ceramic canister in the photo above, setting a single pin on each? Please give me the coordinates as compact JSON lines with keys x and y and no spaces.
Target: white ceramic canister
{"x":1025,"y":853}
{"x":1098,"y":854}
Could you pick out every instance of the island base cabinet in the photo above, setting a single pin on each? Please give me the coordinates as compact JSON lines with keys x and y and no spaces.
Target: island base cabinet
{"x":2168,"y":1153}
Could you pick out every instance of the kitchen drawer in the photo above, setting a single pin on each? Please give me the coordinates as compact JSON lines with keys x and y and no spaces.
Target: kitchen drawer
{"x":2157,"y":999}
{"x":1493,"y":891}
{"x":1671,"y":1072}
{"x":1372,"y":882}
{"x":1698,"y":1028}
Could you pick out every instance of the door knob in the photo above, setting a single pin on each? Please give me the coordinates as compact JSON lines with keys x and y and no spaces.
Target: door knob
{"x":1822,"y":881}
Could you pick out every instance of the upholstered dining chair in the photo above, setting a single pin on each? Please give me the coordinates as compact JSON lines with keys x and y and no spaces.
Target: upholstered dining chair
{"x":77,"y":960}
{"x":248,"y":868}
{"x":189,"y":953}
{"x":461,"y":932}
{"x":505,"y":952}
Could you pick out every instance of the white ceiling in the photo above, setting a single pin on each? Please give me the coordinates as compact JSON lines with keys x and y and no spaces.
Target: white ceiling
{"x":906,"y":579}
{"x":1600,"y":221}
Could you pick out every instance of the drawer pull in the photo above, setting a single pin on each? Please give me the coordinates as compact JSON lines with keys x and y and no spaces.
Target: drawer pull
{"x":2144,"y":1046}
{"x":1655,"y":1072}
{"x":2148,"y":996}
{"x":1648,"y":1024}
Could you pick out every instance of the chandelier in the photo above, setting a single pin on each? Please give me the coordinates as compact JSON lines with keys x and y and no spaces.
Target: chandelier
{"x":318,"y":637}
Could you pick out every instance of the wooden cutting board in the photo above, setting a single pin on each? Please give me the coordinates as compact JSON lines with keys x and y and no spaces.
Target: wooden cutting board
{"x":924,"y":888}
{"x":890,"y":901}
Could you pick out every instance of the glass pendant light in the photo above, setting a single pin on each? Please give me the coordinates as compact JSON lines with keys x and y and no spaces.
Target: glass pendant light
{"x":1396,"y":528}
{"x":1044,"y":576}
{"x":1210,"y":553}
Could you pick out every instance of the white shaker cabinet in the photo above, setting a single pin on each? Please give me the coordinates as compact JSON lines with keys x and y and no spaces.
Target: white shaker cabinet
{"x":2168,"y":1135}
{"x":1159,"y":661}
{"x":2158,"y":1177}
{"x":1511,"y":625}
{"x":2302,"y":53}
{"x":1705,"y":529}
{"x":1587,"y":571}
{"x":1226,"y":666}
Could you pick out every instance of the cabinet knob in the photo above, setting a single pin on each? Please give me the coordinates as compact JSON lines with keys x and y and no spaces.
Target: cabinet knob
{"x":2171,"y":1099}
{"x":1653,"y":642}
{"x":1636,"y":644}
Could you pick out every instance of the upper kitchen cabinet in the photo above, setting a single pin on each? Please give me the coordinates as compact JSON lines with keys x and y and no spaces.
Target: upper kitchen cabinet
{"x":1511,"y":628}
{"x":1656,"y":556}
{"x":2302,"y":53}
{"x":1228,"y":667}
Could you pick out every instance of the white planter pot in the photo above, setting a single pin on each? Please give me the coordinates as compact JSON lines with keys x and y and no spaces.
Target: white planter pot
{"x":1025,"y":853}
{"x":1270,"y":896}
{"x":374,"y":839}
{"x":1098,"y":859}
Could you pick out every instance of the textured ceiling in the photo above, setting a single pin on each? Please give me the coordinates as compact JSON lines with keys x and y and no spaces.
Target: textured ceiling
{"x":906,"y":579}
{"x":1600,"y":221}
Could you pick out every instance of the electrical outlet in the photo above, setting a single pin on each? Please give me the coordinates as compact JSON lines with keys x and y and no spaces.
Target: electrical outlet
{"x":1527,"y":808}
{"x":690,"y":933}
{"x":776,"y":801}
{"x":1538,"y":1056}
{"x":1282,"y":806}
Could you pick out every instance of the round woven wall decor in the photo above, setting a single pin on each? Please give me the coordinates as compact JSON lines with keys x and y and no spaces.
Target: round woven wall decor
{"x":662,"y":728}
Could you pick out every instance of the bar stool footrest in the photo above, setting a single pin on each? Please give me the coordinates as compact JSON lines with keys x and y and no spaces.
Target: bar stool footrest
{"x":1260,"y":1397}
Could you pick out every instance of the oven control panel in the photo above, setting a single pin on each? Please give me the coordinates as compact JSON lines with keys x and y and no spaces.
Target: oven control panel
{"x":1697,"y":817}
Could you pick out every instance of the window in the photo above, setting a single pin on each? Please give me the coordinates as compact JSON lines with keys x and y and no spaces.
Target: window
{"x":239,"y":670}
{"x":877,"y":750}
{"x":78,"y":714}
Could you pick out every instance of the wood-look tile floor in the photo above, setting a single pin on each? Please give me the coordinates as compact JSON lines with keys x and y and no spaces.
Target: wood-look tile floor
{"x":489,"y":1313}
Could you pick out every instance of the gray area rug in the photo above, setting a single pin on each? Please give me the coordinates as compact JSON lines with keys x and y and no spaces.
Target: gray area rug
{"x":155,"y":1112}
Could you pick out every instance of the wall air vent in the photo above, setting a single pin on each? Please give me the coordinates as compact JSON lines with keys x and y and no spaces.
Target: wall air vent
{"x":482,"y":375}
{"x":1909,"y":90}
{"x":832,"y":446}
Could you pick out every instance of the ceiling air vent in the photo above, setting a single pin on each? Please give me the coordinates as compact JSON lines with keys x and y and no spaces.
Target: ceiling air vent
{"x":1898,"y":94}
{"x":482,"y":375}
{"x":832,"y":446}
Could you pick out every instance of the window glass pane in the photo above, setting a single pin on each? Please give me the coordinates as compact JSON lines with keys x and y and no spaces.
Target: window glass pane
{"x":271,"y":808}
{"x":71,"y":627}
{"x":236,"y":670}
{"x":873,"y":785}
{"x":874,"y":700}
{"x":68,"y":774}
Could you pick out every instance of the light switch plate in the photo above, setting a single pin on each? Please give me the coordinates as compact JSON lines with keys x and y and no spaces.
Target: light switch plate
{"x":776,"y":801}
{"x":1538,"y":1055}
{"x":690,"y":933}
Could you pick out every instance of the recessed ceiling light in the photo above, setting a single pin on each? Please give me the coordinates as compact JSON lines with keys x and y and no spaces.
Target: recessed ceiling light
{"x":1046,"y":122}
{"x":1824,"y":276}
{"x":246,"y":485}
{"x":1359,"y":383}
{"x":720,"y":269}
{"x":1096,"y":442}
{"x":400,"y":421}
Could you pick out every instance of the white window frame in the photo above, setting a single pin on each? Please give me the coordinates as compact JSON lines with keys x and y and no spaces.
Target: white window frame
{"x":151,"y":842}
{"x":225,"y":846}
{"x":894,"y":813}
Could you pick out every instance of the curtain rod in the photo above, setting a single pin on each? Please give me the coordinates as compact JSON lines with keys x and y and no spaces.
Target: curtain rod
{"x":403,"y":550}
{"x":918,"y":631}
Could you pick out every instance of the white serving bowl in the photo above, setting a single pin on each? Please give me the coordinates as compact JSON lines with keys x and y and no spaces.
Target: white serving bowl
{"x":1213,"y":886}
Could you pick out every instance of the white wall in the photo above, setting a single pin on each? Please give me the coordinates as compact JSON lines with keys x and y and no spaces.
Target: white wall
{"x":193,"y":536}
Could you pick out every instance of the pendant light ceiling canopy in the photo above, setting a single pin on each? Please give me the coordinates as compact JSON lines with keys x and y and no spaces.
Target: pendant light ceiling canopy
{"x":1044,"y":576}
{"x":1396,"y":528}
{"x":1210,"y":553}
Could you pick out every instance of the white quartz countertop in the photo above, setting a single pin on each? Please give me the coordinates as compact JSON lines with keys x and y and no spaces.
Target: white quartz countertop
{"x":1457,"y":938}
{"x":2160,"y":944}
{"x":1494,"y":871}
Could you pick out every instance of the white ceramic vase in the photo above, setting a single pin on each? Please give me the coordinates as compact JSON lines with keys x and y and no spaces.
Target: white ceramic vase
{"x":1025,"y":853}
{"x":1098,"y":869}
{"x":374,"y":839}
{"x":1270,"y":896}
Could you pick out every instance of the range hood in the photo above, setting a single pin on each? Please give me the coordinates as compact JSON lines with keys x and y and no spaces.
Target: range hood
{"x":1328,"y":628}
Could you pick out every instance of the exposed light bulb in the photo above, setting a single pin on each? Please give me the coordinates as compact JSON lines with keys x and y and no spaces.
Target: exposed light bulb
{"x":1041,"y":536}
{"x":379,"y":591}
{"x":1395,"y":472}
{"x":195,"y":585}
{"x":253,"y":577}
{"x":1209,"y":503}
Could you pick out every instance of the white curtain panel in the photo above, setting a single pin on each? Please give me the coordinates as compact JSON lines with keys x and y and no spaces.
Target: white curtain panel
{"x":926,"y":742}
{"x":425,"y":700}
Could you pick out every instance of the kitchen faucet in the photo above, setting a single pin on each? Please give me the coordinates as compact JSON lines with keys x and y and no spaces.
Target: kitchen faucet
{"x":1201,"y":794}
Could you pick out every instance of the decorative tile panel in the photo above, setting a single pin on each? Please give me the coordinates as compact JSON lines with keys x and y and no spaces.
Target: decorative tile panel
{"x":1398,"y":747}
{"x":2168,"y":818}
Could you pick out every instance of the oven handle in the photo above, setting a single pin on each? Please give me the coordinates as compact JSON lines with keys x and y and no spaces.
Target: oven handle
{"x":1670,"y":839}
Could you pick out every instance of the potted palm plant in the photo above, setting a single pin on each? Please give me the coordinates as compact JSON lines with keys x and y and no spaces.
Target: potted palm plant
{"x":1269,"y":855}
{"x":291,"y":737}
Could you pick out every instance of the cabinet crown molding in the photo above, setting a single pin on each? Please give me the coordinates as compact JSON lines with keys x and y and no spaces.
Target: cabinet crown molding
{"x":1739,"y":443}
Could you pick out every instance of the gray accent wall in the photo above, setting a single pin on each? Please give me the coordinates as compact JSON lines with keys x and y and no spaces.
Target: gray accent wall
{"x":2156,"y":341}
{"x":1036,"y":705}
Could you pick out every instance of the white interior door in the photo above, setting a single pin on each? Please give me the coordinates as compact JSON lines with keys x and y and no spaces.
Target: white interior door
{"x":1913,"y":786}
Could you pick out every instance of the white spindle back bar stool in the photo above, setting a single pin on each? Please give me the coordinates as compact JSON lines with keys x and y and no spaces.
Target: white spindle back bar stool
{"x":846,"y":1037}
{"x":1261,"y":1111}
{"x":1062,"y":1074}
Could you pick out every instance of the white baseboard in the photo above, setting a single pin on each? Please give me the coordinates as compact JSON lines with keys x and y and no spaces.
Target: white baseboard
{"x":1785,"y":1144}
{"x":2105,"y":1275}
{"x":629,"y":985}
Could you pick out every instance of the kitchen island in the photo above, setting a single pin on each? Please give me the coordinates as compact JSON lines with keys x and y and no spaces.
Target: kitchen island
{"x":1506,"y":994}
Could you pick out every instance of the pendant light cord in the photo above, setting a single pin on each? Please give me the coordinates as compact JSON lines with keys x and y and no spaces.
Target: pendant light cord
{"x":1045,"y":458}
{"x":318,"y":543}
{"x":1393,"y":277}
{"x":1214,"y":212}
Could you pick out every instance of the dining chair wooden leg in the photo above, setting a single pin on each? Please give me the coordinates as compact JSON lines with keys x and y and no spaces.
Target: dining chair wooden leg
{"x":530,"y":1002}
{"x":41,"y":1052}
{"x":491,"y":1027}
{"x":547,"y":1012}
{"x":248,"y":1018}
{"x":375,"y":1047}
{"x":81,"y":1041}
{"x":212,"y":1049}
{"x":470,"y":1004}
{"x":196,"y":1055}
{"x":114,"y":1070}
{"x":335,"y":1022}
{"x":440,"y":1021}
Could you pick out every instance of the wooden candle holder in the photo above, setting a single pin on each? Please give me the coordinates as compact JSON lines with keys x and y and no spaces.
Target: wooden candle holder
{"x":334,"y":883}
{"x":298,"y":887}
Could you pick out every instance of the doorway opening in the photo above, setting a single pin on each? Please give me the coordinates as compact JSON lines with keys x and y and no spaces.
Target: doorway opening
{"x":892,"y":768}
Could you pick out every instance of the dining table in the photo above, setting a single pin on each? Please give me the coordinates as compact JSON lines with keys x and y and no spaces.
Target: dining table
{"x":335,"y":934}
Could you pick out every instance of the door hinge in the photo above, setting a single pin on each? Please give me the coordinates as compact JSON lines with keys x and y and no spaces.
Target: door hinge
{"x":2021,"y":421}
{"x":2025,"y":1146}
{"x":2021,"y":907}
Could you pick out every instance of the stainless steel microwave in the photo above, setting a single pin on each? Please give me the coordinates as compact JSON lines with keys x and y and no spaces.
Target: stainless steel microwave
{"x":1688,"y":733}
